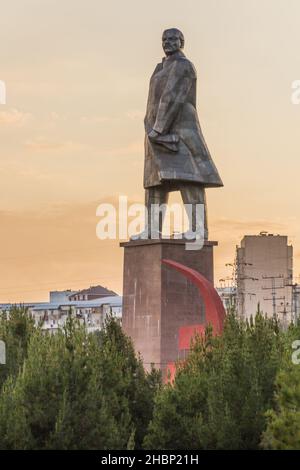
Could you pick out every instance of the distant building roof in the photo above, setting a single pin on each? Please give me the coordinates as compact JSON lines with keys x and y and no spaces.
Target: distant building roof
{"x":114,"y":301}
{"x":95,"y":290}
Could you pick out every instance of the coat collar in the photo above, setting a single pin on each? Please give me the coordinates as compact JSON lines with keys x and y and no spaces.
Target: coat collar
{"x":177,"y":55}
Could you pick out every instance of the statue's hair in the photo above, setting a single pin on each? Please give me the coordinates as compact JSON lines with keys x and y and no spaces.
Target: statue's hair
{"x":180,"y":34}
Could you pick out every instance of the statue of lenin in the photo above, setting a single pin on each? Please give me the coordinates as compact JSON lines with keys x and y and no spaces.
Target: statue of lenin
{"x":176,"y":155}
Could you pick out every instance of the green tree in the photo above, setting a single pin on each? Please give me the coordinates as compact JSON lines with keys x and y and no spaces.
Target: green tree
{"x":34,"y":395}
{"x":16,"y":328}
{"x":86,"y":417}
{"x":77,"y":391}
{"x":221,"y":394}
{"x":283,"y":429}
{"x":123,"y":372}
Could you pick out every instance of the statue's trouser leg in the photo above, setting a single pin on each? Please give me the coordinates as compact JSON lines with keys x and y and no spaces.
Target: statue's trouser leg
{"x":195,"y":194}
{"x":156,"y":195}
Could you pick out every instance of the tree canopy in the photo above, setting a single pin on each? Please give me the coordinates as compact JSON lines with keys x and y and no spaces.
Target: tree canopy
{"x":75,"y":390}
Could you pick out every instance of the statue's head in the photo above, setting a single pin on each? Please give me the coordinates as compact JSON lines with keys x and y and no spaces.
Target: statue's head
{"x":172,"y":41}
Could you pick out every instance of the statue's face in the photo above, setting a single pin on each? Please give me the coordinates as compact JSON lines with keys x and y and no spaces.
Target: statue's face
{"x":171,"y":41}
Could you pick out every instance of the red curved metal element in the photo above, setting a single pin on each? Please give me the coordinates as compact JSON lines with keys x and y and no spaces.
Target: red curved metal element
{"x":186,"y":333}
{"x":214,"y":309}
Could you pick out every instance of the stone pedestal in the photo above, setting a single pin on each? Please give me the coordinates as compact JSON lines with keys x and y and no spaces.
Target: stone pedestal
{"x":157,"y":300}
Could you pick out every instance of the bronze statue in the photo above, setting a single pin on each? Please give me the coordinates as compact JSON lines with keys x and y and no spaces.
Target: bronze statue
{"x":176,"y":155}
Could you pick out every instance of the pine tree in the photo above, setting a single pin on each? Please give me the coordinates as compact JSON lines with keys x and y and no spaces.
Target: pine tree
{"x":16,"y":328}
{"x":220,"y":396}
{"x":77,"y":391}
{"x":283,"y":429}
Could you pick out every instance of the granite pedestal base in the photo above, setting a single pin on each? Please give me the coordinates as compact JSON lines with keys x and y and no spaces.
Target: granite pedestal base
{"x":157,"y":300}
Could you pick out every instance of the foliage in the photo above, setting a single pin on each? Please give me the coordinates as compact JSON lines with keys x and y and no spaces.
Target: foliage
{"x":283,"y":428}
{"x":16,"y":329}
{"x":74,"y":390}
{"x":77,"y":391}
{"x":221,"y":394}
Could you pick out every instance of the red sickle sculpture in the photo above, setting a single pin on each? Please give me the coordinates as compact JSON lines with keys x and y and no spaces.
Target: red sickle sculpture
{"x":214,"y":309}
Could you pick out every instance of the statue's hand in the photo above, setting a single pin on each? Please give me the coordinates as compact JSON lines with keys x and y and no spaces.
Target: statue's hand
{"x":153,"y":134}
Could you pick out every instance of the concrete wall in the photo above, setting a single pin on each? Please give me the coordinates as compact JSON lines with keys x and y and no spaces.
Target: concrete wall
{"x":259,"y":259}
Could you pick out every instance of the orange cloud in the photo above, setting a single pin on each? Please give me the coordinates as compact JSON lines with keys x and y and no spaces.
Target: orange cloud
{"x":14,"y":117}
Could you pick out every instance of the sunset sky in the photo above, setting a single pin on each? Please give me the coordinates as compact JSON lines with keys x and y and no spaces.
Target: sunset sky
{"x":77,"y":75}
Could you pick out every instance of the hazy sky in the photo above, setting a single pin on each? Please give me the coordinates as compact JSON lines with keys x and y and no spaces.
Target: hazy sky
{"x":71,"y":132}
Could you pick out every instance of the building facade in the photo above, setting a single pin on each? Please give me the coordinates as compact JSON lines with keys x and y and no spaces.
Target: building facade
{"x":51,"y":316}
{"x":264,"y":276}
{"x":296,"y":302}
{"x":228,"y":297}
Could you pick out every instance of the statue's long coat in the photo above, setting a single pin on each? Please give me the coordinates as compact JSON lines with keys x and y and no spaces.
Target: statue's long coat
{"x":171,"y":109}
